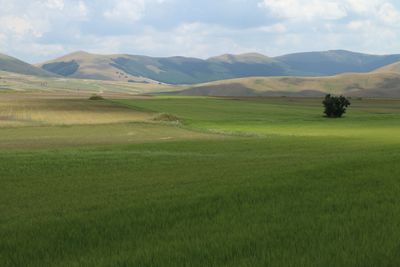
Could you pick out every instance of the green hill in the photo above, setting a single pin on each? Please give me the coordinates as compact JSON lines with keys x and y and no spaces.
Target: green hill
{"x":12,"y":64}
{"x":172,"y":70}
{"x":183,"y":70}
{"x":82,"y":65}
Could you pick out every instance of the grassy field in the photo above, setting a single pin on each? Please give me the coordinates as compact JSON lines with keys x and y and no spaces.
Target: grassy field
{"x":367,"y":119}
{"x":278,"y":186}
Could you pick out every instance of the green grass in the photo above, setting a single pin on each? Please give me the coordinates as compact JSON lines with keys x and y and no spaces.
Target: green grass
{"x":92,"y":135}
{"x":323,"y":197}
{"x":376,"y":120}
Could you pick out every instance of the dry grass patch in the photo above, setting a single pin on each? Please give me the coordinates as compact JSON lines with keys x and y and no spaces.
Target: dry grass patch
{"x":166,"y":117}
{"x":20,"y":111}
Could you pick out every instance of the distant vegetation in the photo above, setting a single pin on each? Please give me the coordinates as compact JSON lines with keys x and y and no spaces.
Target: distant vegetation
{"x":335,"y":106}
{"x":62,"y":68}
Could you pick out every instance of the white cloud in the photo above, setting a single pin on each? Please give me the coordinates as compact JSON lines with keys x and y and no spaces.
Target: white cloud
{"x":26,"y":24}
{"x":126,"y":10}
{"x":39,"y":29}
{"x":389,"y":14}
{"x":188,"y":39}
{"x":305,"y":9}
{"x":79,"y":11}
{"x":3,"y":39}
{"x":82,"y":8}
{"x":55,"y":4}
{"x":275,"y":28}
{"x":20,"y":27}
{"x":362,"y":6}
{"x":358,"y":25}
{"x":44,"y":49}
{"x":308,"y":10}
{"x":129,"y":11}
{"x":351,"y":24}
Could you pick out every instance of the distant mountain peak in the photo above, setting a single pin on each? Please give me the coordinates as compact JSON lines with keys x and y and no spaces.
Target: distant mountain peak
{"x":79,"y":53}
{"x":246,"y":57}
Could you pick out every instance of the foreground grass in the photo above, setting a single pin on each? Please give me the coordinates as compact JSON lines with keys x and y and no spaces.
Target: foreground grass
{"x":92,"y":135}
{"x":282,"y":201}
{"x":307,"y":192}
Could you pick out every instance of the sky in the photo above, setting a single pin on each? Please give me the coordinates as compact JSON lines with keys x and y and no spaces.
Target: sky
{"x":38,"y":30}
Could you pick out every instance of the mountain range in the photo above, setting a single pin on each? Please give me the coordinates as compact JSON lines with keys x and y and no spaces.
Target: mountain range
{"x":185,"y":70}
{"x":301,"y":74}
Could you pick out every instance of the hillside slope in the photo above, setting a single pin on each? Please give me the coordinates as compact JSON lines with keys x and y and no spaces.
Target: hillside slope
{"x":171,"y":70}
{"x":11,"y":64}
{"x":183,"y":70}
{"x":375,"y":84}
{"x":14,"y":82}
{"x":84,"y":65}
{"x":392,"y":68}
{"x":381,"y":85}
{"x":334,"y":62}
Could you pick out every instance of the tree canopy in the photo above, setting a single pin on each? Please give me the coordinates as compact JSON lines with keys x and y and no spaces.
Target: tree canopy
{"x":335,"y":106}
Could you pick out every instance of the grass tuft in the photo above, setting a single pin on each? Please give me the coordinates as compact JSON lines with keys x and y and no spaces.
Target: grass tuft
{"x":96,"y":97}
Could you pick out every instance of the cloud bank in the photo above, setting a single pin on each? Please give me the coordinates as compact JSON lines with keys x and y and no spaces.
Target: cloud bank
{"x":41,"y":29}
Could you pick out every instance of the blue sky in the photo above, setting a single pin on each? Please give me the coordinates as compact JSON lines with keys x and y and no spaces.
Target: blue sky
{"x":38,"y":30}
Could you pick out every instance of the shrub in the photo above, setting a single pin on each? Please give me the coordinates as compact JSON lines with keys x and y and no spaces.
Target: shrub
{"x":96,"y":97}
{"x":335,"y":106}
{"x":166,"y":117}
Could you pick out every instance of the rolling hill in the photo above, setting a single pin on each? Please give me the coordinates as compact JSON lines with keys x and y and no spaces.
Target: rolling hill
{"x":172,"y":70}
{"x":183,"y":70}
{"x":334,"y":62}
{"x":380,"y":84}
{"x":377,"y":84}
{"x":395,"y":67}
{"x":242,"y":75}
{"x":11,"y":64}
{"x":15,"y":82}
{"x":84,"y":65}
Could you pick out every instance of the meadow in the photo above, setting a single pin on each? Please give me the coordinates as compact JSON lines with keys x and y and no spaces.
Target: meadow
{"x":236,"y":182}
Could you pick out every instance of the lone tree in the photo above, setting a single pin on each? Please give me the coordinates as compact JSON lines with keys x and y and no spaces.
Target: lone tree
{"x":335,"y":106}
